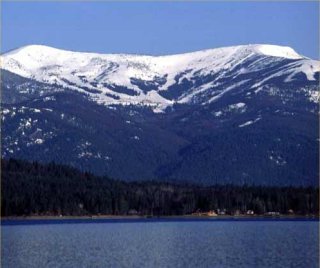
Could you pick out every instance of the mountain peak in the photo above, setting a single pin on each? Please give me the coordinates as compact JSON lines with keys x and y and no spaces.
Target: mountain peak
{"x":278,"y":51}
{"x":33,"y":49}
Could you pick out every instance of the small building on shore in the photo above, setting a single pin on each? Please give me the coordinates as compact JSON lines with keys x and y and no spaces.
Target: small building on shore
{"x":250,"y":212}
{"x":133,"y":212}
{"x":221,"y":211}
{"x":210,"y":213}
{"x":272,"y":213}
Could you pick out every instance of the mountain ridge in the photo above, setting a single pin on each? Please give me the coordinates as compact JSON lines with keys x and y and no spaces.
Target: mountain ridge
{"x":286,"y":50}
{"x":147,"y":80}
{"x":236,"y":117}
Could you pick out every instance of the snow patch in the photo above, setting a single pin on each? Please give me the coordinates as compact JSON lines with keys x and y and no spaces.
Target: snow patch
{"x":5,"y":111}
{"x":218,"y":114}
{"x":237,"y":106}
{"x":278,"y":51}
{"x":246,"y":123}
{"x":39,"y":141}
{"x":250,"y":122}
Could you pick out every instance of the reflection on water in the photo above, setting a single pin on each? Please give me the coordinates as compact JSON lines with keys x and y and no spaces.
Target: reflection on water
{"x":162,"y":244}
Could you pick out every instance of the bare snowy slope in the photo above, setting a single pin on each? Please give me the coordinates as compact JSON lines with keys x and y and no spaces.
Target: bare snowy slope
{"x":199,"y":77}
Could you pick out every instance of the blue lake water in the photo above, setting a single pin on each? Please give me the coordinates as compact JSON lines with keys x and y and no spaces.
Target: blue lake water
{"x":174,"y":243}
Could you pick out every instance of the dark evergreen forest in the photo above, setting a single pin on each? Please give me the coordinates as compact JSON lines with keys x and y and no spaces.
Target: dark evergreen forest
{"x":51,"y":189}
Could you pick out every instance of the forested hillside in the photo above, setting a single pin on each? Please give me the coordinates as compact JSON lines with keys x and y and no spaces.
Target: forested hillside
{"x":36,"y":189}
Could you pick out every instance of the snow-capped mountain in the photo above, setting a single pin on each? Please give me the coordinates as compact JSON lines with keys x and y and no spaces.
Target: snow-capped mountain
{"x":242,"y":114}
{"x":204,"y":76}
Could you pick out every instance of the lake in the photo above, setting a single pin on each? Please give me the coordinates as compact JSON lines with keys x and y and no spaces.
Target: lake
{"x":160,"y":243}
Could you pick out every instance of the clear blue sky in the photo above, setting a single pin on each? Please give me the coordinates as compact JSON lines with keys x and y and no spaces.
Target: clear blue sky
{"x":160,"y":28}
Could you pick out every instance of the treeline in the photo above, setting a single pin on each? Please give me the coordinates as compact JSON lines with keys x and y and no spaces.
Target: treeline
{"x":51,"y":189}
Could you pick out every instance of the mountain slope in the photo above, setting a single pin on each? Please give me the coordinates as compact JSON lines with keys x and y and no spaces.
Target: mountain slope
{"x":244,"y":114}
{"x":199,"y":77}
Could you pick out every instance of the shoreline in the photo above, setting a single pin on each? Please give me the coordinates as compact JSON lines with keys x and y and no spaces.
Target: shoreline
{"x":172,"y":217}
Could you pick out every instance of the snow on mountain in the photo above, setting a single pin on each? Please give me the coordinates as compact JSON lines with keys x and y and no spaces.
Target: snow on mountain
{"x":140,"y":79}
{"x":255,"y":114}
{"x":278,"y":51}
